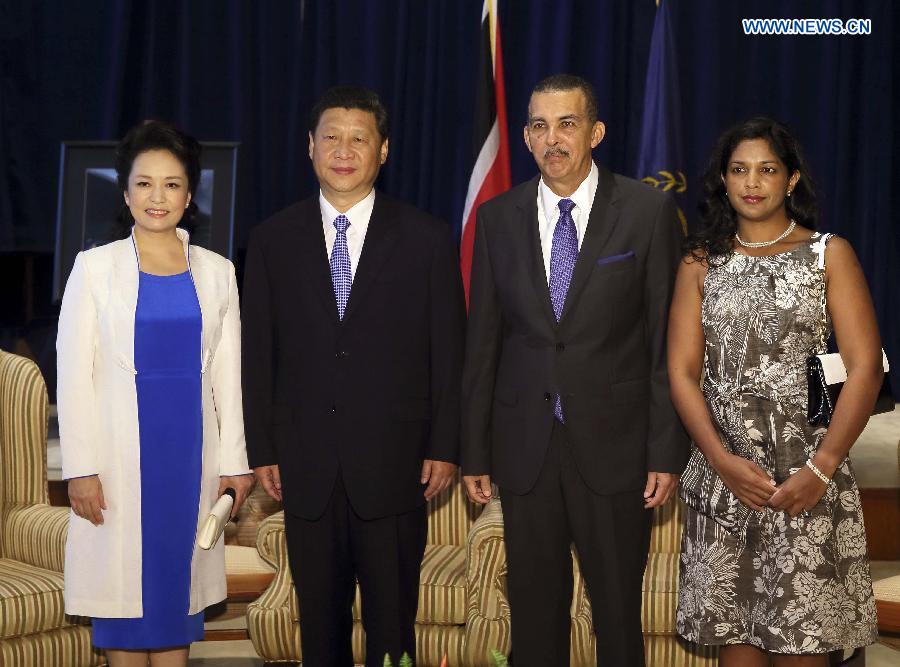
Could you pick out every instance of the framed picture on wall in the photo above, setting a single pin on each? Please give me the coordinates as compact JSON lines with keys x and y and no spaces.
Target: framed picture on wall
{"x":90,"y":200}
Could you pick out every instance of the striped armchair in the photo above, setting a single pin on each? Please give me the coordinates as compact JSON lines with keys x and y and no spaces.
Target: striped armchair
{"x":660,"y":597}
{"x":462,"y":606}
{"x":34,"y":632}
{"x":463,"y":610}
{"x":662,"y":647}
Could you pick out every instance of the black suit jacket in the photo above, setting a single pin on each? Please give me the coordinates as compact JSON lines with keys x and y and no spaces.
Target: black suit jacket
{"x":606,"y":357}
{"x":371,"y":396}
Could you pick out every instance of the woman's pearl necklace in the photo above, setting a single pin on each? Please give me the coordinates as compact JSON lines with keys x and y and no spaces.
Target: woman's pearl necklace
{"x":763,"y":244}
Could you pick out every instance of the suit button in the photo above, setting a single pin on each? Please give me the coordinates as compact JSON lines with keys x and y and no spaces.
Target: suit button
{"x":548,"y":396}
{"x":342,"y":354}
{"x":560,"y":347}
{"x":333,"y":409}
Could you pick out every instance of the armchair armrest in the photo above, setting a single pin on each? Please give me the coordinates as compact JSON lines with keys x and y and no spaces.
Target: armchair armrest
{"x":36,"y":534}
{"x":272,"y":620}
{"x":270,"y":540}
{"x":487,"y":609}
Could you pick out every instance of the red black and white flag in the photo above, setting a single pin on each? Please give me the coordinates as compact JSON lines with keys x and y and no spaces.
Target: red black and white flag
{"x":490,"y":176}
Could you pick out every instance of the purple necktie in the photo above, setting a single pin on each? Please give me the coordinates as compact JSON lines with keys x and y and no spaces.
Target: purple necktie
{"x":341,"y":276}
{"x":563,"y":254}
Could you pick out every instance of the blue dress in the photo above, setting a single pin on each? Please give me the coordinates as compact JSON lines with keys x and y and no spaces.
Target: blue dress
{"x":167,"y":327}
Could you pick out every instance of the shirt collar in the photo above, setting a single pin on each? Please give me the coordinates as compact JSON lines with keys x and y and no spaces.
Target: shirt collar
{"x":358,"y":214}
{"x":583,"y":195}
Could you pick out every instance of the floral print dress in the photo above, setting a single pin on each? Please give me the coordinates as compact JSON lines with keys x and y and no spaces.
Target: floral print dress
{"x":784,"y":585}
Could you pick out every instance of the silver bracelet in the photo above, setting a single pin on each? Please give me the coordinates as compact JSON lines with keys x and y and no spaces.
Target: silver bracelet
{"x":818,"y":473}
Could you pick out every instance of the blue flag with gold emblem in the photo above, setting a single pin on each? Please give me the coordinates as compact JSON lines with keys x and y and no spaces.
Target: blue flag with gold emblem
{"x":661,"y":160}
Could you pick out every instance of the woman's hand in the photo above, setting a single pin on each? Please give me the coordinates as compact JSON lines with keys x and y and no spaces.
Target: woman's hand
{"x":242,"y":485}
{"x":750,"y":483}
{"x":86,"y":498}
{"x":800,"y":492}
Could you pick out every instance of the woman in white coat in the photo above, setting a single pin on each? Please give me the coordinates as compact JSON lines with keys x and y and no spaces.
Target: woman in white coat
{"x":149,"y":403}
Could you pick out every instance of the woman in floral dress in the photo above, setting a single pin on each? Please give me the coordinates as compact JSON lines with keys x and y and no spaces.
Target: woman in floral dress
{"x":781,"y":574}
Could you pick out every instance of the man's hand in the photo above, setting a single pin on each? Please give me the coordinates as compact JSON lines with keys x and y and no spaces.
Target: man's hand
{"x":242,"y":485}
{"x":437,"y":475}
{"x":660,"y":487}
{"x":798,"y":493}
{"x":86,"y":498}
{"x":478,"y":487}
{"x":270,"y":479}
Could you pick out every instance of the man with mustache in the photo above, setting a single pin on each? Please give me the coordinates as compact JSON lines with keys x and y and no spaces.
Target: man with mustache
{"x":565,"y":392}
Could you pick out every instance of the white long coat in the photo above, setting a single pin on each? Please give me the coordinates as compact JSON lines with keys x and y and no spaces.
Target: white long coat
{"x":98,"y":422}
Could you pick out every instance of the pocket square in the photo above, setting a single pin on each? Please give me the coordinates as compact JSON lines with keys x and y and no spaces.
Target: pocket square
{"x":616,"y":258}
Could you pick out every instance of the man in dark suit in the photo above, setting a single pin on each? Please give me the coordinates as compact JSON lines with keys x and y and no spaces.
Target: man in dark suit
{"x":565,"y":392}
{"x":352,"y":352}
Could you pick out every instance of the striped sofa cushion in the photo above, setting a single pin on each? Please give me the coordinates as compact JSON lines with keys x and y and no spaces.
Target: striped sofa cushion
{"x":442,"y":587}
{"x":659,"y":649}
{"x":70,"y":646}
{"x":31,"y":599}
{"x":23,"y":431}
{"x":667,"y":525}
{"x":36,"y":535}
{"x":659,"y":596}
{"x":451,"y":515}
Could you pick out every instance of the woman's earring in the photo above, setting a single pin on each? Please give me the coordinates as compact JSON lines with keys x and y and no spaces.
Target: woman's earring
{"x":789,"y":193}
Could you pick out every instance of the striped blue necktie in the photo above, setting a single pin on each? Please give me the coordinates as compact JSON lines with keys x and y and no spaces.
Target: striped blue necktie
{"x":563,"y":253}
{"x":341,"y":276}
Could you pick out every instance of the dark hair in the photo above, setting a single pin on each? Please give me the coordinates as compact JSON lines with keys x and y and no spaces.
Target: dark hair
{"x":565,"y":82}
{"x":153,"y":135}
{"x":718,"y":221}
{"x":351,"y":97}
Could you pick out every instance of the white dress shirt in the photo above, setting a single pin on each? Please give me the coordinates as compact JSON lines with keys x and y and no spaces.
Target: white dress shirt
{"x":548,"y":212}
{"x":359,"y":215}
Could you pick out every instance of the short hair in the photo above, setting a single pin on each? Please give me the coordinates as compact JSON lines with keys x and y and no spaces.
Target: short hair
{"x":351,"y":97}
{"x":155,"y":135}
{"x":565,"y":82}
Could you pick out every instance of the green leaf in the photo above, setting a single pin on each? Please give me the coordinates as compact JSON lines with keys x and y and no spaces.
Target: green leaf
{"x":387,"y":660}
{"x":499,"y":658}
{"x":406,"y":661}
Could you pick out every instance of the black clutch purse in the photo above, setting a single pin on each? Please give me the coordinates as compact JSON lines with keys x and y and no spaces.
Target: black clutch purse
{"x":826,"y":373}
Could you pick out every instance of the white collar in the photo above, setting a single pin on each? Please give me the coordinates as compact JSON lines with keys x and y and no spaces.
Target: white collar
{"x":183,"y":236}
{"x":583,"y":195}
{"x":358,"y":214}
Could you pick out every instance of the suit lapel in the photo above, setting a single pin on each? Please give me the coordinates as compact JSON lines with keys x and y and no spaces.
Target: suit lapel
{"x":532,"y":248}
{"x":603,"y":219}
{"x":314,"y":255}
{"x":381,"y":236}
{"x":209,"y":300}
{"x":123,"y":295}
